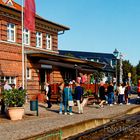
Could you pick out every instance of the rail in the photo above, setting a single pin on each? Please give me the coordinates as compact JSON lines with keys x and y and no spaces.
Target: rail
{"x":109,"y":130}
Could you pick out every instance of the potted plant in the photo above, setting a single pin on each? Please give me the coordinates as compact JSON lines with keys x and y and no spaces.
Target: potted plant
{"x":14,"y":100}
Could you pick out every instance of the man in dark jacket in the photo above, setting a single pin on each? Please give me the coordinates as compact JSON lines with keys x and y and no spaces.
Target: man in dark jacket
{"x":110,"y":91}
{"x":78,"y":97}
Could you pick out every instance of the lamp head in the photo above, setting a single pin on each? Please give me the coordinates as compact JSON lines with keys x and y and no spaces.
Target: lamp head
{"x":115,"y":53}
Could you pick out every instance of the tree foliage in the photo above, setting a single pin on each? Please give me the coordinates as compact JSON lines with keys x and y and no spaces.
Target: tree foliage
{"x":129,"y":68}
{"x":138,"y":70}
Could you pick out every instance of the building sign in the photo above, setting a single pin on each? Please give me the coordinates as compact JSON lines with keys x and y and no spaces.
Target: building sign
{"x":129,"y":74}
{"x":46,"y":66}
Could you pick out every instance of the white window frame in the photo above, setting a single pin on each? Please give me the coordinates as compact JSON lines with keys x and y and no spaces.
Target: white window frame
{"x":28,"y":73}
{"x":38,"y":39}
{"x":9,"y":79}
{"x":48,"y":41}
{"x":9,"y":32}
{"x":26,"y":37}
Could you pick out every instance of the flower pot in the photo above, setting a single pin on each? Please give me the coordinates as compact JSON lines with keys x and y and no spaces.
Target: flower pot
{"x":15,"y":113}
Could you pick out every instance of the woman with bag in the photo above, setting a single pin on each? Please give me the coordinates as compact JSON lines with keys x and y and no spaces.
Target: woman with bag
{"x":60,"y":89}
{"x":67,"y":99}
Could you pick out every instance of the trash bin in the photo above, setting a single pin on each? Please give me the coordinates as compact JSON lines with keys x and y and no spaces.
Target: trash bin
{"x":34,"y":105}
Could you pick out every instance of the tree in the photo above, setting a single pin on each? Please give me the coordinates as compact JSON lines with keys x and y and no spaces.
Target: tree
{"x":138,"y":70}
{"x":134,"y":75}
{"x":127,"y":67}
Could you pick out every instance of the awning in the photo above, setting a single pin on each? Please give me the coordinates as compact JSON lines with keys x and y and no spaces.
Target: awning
{"x":64,"y":61}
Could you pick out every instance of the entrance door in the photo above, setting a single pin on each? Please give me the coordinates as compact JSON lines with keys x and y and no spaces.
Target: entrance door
{"x":42,"y":78}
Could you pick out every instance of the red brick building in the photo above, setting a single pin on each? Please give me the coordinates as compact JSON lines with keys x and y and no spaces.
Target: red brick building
{"x":42,"y":60}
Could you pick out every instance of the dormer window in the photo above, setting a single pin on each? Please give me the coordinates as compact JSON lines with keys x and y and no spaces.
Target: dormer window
{"x":94,"y":60}
{"x":48,"y":42}
{"x":9,"y":2}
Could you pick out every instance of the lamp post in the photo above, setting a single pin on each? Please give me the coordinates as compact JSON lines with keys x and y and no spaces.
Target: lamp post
{"x":76,"y":72}
{"x":121,"y":70}
{"x":116,"y":53}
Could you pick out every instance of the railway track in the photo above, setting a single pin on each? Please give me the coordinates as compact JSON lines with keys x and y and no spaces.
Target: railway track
{"x":119,"y":129}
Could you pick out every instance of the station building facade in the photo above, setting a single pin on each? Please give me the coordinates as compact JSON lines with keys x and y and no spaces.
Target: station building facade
{"x":43,"y":63}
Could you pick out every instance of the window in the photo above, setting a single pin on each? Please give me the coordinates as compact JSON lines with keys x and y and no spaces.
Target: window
{"x":11,"y":80}
{"x":11,"y":32}
{"x":26,"y":37}
{"x":39,"y":40}
{"x":94,"y":60}
{"x":49,"y":42}
{"x":28,"y":73}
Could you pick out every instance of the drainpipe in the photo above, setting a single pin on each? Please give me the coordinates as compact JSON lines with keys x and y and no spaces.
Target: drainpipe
{"x":62,"y":32}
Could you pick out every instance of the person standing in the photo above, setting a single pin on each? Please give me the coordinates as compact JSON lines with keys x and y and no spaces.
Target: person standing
{"x":13,"y":86}
{"x":110,"y":91}
{"x":67,"y":96}
{"x":138,"y":88}
{"x":7,"y":86}
{"x":121,"y":90}
{"x":127,"y":93}
{"x":20,"y":86}
{"x":102,"y":94}
{"x":78,"y":97}
{"x":48,"y":94}
{"x":61,"y":88}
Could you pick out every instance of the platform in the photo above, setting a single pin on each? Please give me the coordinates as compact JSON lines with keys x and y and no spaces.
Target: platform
{"x":50,"y":122}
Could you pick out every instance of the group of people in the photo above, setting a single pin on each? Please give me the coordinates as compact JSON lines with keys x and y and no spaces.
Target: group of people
{"x":109,"y":94}
{"x":113,"y":94}
{"x":66,"y":98}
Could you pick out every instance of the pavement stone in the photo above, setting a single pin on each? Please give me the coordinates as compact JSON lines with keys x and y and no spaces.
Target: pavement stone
{"x":50,"y":119}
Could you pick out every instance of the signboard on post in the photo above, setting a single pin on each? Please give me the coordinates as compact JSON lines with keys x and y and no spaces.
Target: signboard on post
{"x":129,"y":74}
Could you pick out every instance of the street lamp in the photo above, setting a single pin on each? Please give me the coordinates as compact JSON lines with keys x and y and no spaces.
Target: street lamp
{"x":116,"y":53}
{"x":121,"y":70}
{"x":76,"y":72}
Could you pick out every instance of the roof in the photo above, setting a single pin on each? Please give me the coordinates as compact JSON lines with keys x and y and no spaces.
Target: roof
{"x":18,"y":7}
{"x":88,"y":54}
{"x":14,"y":6}
{"x":102,"y":57}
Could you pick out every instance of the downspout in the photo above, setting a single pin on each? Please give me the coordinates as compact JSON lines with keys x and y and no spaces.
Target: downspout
{"x":62,"y":32}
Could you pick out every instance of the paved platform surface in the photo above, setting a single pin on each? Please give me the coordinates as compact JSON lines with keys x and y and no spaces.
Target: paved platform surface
{"x":50,"y":119}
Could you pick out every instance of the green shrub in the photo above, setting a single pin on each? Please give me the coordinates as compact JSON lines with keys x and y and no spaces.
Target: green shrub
{"x":14,"y":98}
{"x":87,"y":93}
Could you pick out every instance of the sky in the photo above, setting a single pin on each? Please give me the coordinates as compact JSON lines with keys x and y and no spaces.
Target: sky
{"x":96,"y":25}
